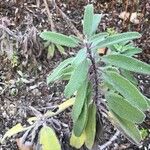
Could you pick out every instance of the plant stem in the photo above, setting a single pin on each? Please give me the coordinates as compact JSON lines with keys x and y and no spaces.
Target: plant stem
{"x":94,"y":71}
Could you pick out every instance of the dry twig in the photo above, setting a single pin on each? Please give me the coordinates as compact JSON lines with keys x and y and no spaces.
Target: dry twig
{"x":108,"y":143}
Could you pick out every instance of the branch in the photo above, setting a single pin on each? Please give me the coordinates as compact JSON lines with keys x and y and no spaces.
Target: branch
{"x":95,"y":72}
{"x":49,"y":16}
{"x":112,"y":139}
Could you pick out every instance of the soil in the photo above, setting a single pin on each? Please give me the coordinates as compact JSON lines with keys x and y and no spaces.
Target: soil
{"x":23,"y":78}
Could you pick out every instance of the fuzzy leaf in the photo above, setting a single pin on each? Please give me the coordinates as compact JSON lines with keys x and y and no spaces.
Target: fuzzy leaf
{"x":118,"y":38}
{"x":127,"y":63}
{"x":127,"y":89}
{"x":90,"y":129}
{"x":77,"y":78}
{"x":81,"y":56}
{"x":80,"y":124}
{"x":77,"y":142}
{"x":124,"y":109}
{"x":131,"y":51}
{"x":128,"y":128}
{"x":79,"y":101}
{"x":98,"y":38}
{"x":96,"y":21}
{"x":58,"y":70}
{"x":58,"y":38}
{"x":129,"y":75}
{"x":88,"y":20}
{"x":48,"y":139}
{"x":14,"y":130}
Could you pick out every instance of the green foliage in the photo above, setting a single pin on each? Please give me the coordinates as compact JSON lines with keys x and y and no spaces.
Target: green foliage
{"x":90,"y":129}
{"x":58,"y":38}
{"x":124,"y":109}
{"x":128,"y":128}
{"x":88,"y":20}
{"x":125,"y":104}
{"x":118,"y":38}
{"x":77,"y":78}
{"x":79,"y":101}
{"x":127,"y":63}
{"x":80,"y":123}
{"x":127,"y":89}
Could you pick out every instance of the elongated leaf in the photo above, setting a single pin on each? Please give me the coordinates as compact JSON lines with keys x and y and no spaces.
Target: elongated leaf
{"x":77,"y":142}
{"x":128,"y":128}
{"x":48,"y":139}
{"x":127,"y":63}
{"x":88,"y":20}
{"x":77,"y":78}
{"x":79,"y":101}
{"x":127,"y":89}
{"x":68,"y":103}
{"x":90,"y":129}
{"x":132,"y":51}
{"x":81,"y":56}
{"x":80,"y":124}
{"x":96,"y":21}
{"x":51,"y":50}
{"x":61,"y":49}
{"x":58,"y":38}
{"x":124,"y":109}
{"x":58,"y":70}
{"x":129,"y":75}
{"x":66,"y":73}
{"x":14,"y":130}
{"x":118,"y":38}
{"x":99,"y":36}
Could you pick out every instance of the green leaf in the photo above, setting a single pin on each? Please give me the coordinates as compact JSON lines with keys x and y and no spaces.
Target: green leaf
{"x":77,"y":40}
{"x":77,"y":78}
{"x":81,"y":56}
{"x":127,"y":63}
{"x":90,"y":129}
{"x":96,"y":21}
{"x":58,"y":38}
{"x":80,"y":124}
{"x":66,"y":73}
{"x":131,"y":50}
{"x":14,"y":130}
{"x":79,"y":101}
{"x":127,"y":89}
{"x":77,"y":142}
{"x":98,"y":38}
{"x":128,"y":128}
{"x":48,"y":139}
{"x":118,"y":38}
{"x":58,"y":70}
{"x":88,"y":20}
{"x":61,"y":49}
{"x":128,"y":75}
{"x":124,"y":109}
{"x":51,"y":50}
